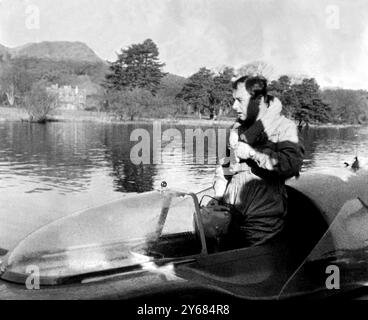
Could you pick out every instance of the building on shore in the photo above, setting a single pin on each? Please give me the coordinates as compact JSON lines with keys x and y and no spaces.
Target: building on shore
{"x":69,"y":98}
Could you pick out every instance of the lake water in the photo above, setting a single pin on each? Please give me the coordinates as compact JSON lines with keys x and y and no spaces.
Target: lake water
{"x":49,"y":171}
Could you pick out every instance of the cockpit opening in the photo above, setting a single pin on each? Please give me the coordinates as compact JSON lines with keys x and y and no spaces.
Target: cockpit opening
{"x":305,"y":224}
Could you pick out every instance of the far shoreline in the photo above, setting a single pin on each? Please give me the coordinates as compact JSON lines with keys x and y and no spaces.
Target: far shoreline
{"x":20,"y":115}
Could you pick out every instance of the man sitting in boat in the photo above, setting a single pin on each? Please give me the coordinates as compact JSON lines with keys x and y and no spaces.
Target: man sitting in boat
{"x":264,"y":153}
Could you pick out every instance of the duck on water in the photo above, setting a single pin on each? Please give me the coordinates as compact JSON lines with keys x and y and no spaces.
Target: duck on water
{"x":355,"y":166}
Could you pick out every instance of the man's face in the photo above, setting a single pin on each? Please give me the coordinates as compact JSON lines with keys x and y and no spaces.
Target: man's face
{"x":241,"y":104}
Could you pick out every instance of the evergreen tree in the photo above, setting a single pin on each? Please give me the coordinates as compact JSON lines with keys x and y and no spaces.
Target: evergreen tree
{"x":347,"y":106}
{"x":197,"y":92}
{"x":207,"y":92}
{"x":138,"y":66}
{"x":308,"y":103}
{"x":302,"y":101}
{"x":222,"y":92}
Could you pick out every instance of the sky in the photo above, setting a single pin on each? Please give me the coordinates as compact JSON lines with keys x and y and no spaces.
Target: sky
{"x":325,"y":39}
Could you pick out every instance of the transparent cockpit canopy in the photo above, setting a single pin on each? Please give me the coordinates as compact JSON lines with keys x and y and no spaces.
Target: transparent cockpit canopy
{"x":340,"y":259}
{"x":112,"y":236}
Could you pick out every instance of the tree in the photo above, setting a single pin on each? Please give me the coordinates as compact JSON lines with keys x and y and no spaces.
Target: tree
{"x":256,"y":68}
{"x":208,"y":92}
{"x":301,"y":100}
{"x":346,"y":105}
{"x":308,"y":104}
{"x":4,"y":56}
{"x":138,"y":66}
{"x":15,"y":81}
{"x":38,"y":103}
{"x":280,"y":86}
{"x":197,"y":92}
{"x":222,"y":91}
{"x":129,"y":104}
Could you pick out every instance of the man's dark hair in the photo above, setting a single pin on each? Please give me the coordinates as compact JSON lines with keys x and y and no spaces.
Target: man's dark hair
{"x":240,"y":80}
{"x":256,"y":86}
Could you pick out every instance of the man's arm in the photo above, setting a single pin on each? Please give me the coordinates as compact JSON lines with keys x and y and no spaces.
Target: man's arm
{"x":284,"y":160}
{"x":220,"y":182}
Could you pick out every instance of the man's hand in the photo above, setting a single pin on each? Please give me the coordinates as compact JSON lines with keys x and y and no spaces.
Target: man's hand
{"x":244,"y":151}
{"x":233,"y":138}
{"x":220,"y":183}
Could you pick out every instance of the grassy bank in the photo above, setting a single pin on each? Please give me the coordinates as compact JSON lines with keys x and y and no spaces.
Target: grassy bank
{"x":16,"y":114}
{"x":12,"y":114}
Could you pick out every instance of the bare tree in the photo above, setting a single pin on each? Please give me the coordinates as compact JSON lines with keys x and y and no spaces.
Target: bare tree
{"x":10,"y":94}
{"x":256,"y":68}
{"x":39,"y":102}
{"x":15,"y":81}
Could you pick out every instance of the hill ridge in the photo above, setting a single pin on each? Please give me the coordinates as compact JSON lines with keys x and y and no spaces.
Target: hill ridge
{"x":54,"y":50}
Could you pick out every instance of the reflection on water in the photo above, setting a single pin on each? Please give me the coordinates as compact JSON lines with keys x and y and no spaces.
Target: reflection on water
{"x":48,"y":171}
{"x":331,"y":147}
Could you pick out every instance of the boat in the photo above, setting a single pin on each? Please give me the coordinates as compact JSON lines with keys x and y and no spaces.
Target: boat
{"x":152,"y":246}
